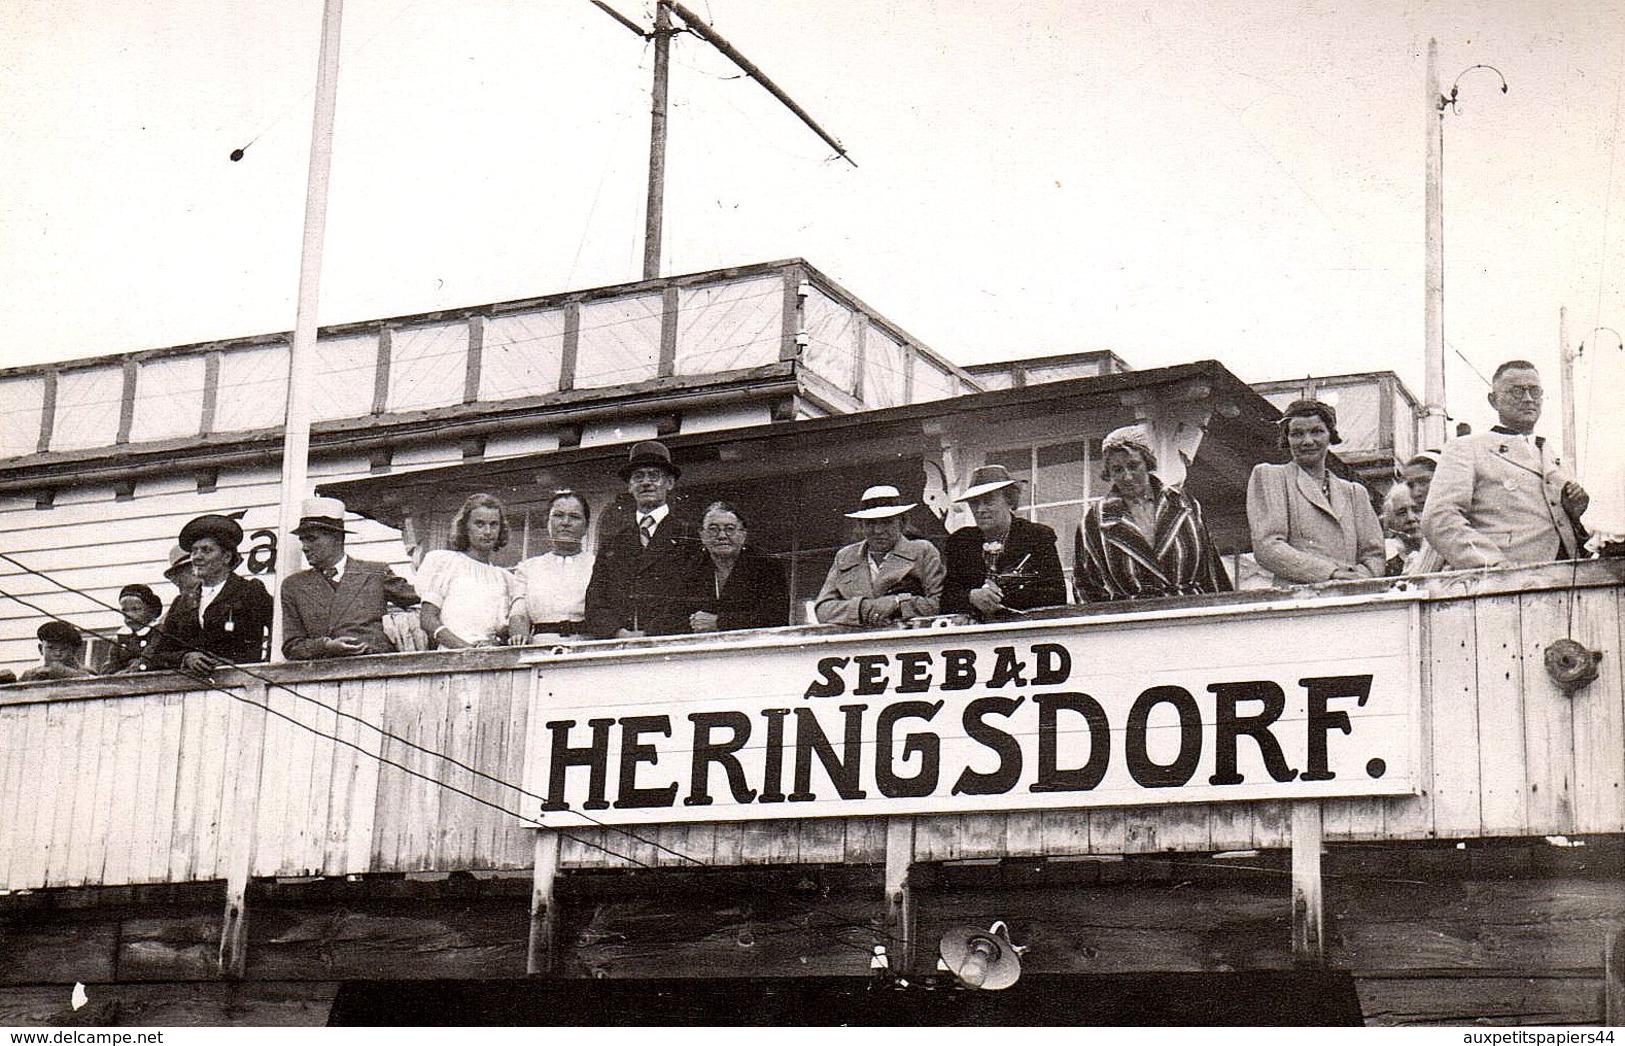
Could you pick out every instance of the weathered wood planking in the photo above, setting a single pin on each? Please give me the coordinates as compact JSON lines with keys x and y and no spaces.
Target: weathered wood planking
{"x":1453,"y":664}
{"x":1599,"y":733}
{"x":1536,"y":998}
{"x":133,"y":783}
{"x":1548,"y":720}
{"x":1502,"y":765}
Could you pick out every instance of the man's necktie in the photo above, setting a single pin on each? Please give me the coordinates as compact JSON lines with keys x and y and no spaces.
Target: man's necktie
{"x":331,"y":574}
{"x":646,"y":529}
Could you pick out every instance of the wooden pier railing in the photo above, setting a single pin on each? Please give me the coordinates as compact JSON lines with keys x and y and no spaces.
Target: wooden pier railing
{"x":420,"y":762}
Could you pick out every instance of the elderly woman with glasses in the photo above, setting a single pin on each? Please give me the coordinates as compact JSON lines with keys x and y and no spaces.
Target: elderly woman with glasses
{"x":1143,"y":539}
{"x":886,"y":578}
{"x":1307,"y":524}
{"x":731,"y":584}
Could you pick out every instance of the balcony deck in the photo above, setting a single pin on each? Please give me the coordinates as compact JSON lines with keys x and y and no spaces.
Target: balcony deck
{"x":428,"y":763}
{"x":150,"y":779}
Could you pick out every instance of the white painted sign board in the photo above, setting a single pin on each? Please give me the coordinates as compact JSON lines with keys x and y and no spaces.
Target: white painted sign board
{"x":1243,"y":702}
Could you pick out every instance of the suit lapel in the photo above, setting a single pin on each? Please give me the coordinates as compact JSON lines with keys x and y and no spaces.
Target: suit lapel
{"x":1312,"y":492}
{"x":1117,"y":528}
{"x":344,"y":593}
{"x":1515,"y":450}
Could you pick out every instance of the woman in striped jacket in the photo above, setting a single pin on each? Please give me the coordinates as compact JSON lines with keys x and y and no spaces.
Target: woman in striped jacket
{"x":1143,"y":539}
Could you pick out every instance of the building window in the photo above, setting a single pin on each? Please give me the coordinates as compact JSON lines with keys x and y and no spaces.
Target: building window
{"x":1059,"y":479}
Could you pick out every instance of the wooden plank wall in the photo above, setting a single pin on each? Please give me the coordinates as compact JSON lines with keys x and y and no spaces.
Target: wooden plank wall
{"x":92,"y":541}
{"x":411,"y":763}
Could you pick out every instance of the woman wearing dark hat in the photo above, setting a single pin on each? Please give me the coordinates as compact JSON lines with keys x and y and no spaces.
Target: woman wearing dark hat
{"x":227,"y":617}
{"x":136,"y":643}
{"x":1143,"y":539}
{"x":1003,"y":563}
{"x":886,"y":577}
{"x":1307,"y":524}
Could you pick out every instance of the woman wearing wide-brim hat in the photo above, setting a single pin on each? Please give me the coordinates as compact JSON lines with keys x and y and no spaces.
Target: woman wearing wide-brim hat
{"x":225,"y":618}
{"x":1003,"y":564}
{"x":886,"y":577}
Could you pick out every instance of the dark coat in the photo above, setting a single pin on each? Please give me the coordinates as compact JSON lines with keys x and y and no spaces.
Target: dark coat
{"x":754,"y":596}
{"x":635,"y":587}
{"x":313,"y":610}
{"x":1028,"y":545}
{"x":235,"y":626}
{"x":129,"y":649}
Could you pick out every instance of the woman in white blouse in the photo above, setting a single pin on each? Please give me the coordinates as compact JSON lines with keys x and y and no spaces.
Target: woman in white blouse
{"x":466,"y":597}
{"x":555,"y":583}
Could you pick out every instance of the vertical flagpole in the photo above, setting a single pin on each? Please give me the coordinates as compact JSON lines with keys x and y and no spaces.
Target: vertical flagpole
{"x":296,"y":438}
{"x":654,"y":217}
{"x":1433,"y":392}
{"x":1565,"y":379}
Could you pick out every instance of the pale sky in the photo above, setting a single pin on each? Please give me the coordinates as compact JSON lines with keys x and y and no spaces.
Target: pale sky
{"x":1171,"y":179}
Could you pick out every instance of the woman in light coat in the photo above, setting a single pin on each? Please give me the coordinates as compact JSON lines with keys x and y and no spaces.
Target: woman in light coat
{"x":886,"y":578}
{"x":1307,"y":524}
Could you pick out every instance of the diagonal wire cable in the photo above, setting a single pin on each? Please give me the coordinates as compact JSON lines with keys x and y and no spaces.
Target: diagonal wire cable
{"x":838,"y":922}
{"x":501,"y":782}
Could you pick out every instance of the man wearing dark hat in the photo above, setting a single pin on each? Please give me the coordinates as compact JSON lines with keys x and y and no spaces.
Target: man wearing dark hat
{"x":336,"y":608}
{"x":136,"y":643}
{"x":885,"y":578}
{"x":227,"y":617}
{"x":1502,"y":497}
{"x":59,"y":647}
{"x":1003,"y":563}
{"x":636,"y":582}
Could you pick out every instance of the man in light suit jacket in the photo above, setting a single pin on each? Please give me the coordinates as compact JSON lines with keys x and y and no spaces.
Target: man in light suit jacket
{"x":336,"y":608}
{"x":1501,"y":498}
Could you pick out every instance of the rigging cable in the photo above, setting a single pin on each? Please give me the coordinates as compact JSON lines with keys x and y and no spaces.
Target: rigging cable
{"x":636,"y":838}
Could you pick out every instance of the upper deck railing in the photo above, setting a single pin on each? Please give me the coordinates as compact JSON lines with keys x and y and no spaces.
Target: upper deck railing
{"x":804,"y":744}
{"x":555,"y":352}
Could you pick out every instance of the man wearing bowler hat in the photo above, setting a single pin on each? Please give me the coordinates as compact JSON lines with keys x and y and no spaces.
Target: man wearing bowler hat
{"x":637,"y":579}
{"x":336,"y":608}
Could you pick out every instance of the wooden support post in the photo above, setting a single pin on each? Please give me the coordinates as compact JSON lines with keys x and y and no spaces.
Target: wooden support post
{"x":1308,"y":915}
{"x":899,"y":897}
{"x":542,"y":949}
{"x":243,"y":768}
{"x":1613,"y":978}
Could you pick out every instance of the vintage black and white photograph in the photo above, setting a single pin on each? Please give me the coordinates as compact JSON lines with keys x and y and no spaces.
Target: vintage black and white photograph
{"x":823,"y":513}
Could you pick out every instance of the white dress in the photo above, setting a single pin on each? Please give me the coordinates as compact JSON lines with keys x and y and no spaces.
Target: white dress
{"x":473,"y":597}
{"x":555,"y":586}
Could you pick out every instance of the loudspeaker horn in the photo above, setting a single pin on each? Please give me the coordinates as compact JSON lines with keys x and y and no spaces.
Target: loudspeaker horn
{"x":981,"y":958}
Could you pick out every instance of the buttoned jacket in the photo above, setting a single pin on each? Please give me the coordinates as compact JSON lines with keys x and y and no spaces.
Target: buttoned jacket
{"x":1302,"y":533}
{"x":1496,"y":500}
{"x":754,"y":596}
{"x":314,"y":609}
{"x":234,"y":627}
{"x":637,"y":587}
{"x":1028,"y":545}
{"x":912,"y":567}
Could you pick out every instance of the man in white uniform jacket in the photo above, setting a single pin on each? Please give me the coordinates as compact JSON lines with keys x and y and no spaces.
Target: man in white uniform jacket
{"x":1502,"y":497}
